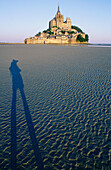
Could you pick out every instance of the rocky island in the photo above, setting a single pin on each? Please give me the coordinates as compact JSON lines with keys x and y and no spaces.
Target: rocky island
{"x":59,"y":32}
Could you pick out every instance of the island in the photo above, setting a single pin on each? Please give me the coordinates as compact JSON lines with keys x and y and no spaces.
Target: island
{"x":59,"y":32}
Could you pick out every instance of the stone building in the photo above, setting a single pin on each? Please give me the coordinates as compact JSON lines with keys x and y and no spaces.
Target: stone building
{"x":59,"y":22}
{"x":59,"y":32}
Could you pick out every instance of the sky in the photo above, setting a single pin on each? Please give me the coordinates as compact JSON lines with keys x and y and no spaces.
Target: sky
{"x":20,"y":19}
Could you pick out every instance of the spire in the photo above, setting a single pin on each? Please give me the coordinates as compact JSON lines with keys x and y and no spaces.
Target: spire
{"x":58,"y":7}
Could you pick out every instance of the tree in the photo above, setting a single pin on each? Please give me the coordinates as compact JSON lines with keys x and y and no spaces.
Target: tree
{"x":63,"y":32}
{"x":45,"y":31}
{"x":80,"y":38}
{"x":77,"y":28}
{"x":70,"y":32}
{"x":38,"y":34}
{"x":86,"y":37}
{"x":48,"y":29}
{"x":51,"y":33}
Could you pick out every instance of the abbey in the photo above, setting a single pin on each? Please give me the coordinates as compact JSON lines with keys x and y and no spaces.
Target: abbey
{"x":59,"y":32}
{"x":58,"y":21}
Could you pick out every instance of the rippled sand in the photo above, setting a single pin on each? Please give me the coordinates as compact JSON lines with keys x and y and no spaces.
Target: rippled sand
{"x":68,"y":91}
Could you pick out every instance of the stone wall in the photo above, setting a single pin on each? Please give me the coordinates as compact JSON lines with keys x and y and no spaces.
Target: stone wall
{"x":50,"y":41}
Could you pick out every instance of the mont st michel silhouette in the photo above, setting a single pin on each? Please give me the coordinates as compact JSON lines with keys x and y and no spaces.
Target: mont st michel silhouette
{"x":59,"y":32}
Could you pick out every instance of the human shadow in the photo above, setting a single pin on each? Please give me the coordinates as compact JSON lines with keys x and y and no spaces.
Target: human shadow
{"x":17,"y":84}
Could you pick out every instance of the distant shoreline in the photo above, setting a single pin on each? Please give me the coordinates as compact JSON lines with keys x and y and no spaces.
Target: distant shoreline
{"x":76,"y":44}
{"x":10,"y":43}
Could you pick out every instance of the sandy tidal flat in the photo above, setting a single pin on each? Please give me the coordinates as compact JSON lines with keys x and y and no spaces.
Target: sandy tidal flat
{"x":68,"y":94}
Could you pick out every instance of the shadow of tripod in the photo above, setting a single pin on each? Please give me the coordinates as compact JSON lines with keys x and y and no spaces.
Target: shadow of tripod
{"x":17,"y":83}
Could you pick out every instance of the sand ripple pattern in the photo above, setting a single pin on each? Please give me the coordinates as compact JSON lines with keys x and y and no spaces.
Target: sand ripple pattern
{"x":68,"y":91}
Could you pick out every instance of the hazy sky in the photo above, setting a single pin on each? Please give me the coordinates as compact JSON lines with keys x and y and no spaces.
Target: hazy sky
{"x":20,"y":19}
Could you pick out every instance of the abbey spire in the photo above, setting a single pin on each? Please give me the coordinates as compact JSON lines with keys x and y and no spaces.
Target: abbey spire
{"x":58,"y":7}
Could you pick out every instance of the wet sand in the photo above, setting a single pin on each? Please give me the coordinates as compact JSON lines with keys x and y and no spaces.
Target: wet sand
{"x":67,"y":91}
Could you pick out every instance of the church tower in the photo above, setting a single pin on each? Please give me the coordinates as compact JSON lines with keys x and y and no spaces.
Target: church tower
{"x":59,"y":18}
{"x":58,"y":21}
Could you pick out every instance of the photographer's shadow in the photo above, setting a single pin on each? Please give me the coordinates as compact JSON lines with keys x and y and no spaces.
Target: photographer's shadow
{"x":17,"y":84}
